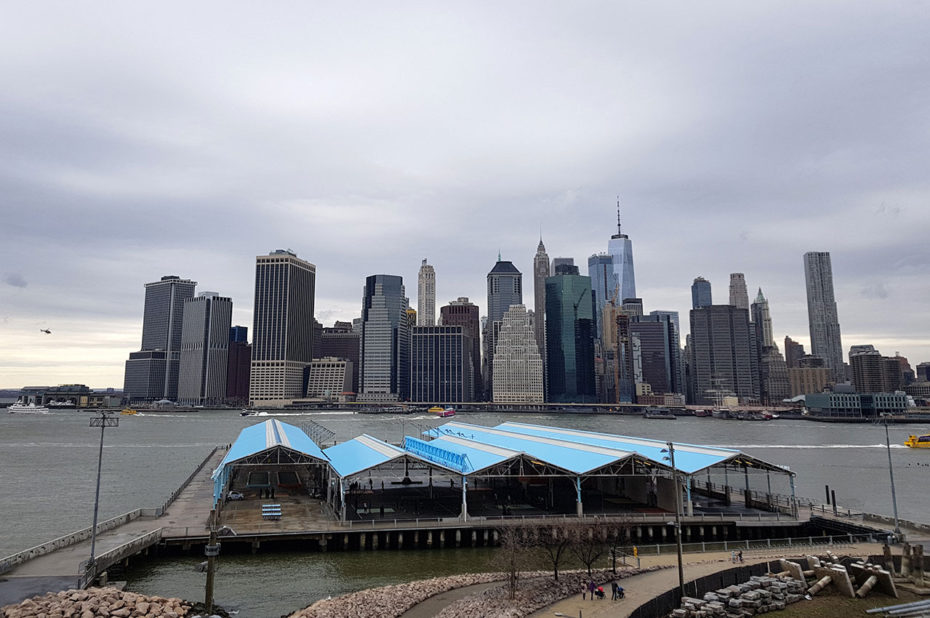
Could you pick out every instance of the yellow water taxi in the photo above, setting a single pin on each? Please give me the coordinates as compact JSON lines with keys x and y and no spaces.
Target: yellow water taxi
{"x":436,"y":409}
{"x":129,"y":412}
{"x":918,"y":441}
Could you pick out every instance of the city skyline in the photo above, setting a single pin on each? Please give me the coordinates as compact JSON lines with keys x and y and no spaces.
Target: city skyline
{"x":130,"y":158}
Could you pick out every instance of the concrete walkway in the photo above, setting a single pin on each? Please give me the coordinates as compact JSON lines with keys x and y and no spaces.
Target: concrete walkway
{"x":641,"y":588}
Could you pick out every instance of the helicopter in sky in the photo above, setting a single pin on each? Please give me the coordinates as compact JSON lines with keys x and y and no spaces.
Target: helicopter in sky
{"x":45,"y":330}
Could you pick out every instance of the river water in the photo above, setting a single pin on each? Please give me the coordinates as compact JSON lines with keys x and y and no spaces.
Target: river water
{"x":48,"y":466}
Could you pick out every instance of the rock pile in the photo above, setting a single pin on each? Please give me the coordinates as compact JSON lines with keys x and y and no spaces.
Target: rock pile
{"x":95,"y":602}
{"x":390,"y":601}
{"x":761,"y":594}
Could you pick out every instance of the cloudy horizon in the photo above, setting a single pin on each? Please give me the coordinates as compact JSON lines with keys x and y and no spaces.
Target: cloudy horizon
{"x":139,"y":142}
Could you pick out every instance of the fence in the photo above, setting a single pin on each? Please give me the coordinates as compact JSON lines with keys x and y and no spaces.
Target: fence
{"x":107,"y":559}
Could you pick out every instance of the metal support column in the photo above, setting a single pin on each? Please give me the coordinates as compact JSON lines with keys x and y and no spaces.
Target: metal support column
{"x":578,"y":506}
{"x":464,"y":498}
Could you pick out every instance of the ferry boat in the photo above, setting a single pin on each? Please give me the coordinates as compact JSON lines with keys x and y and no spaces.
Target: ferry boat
{"x":129,"y":411}
{"x":442,"y":412}
{"x":31,"y":408}
{"x":918,"y":441}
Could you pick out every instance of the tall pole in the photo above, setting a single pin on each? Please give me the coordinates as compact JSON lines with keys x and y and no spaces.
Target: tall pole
{"x":212,"y":550}
{"x":681,"y":572}
{"x":103,"y":421}
{"x":894,"y":498}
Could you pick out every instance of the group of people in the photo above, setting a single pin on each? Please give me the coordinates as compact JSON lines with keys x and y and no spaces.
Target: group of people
{"x":736,"y":556}
{"x":597,"y":592}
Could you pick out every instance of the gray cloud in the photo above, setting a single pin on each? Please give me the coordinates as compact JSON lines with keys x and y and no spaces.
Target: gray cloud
{"x":15,"y":279}
{"x":739,"y":136}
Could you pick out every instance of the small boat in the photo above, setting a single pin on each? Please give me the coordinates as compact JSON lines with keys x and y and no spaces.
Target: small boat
{"x":442,"y":412}
{"x":60,"y":404}
{"x":659,"y":413}
{"x":248,"y":413}
{"x":129,"y":411}
{"x":918,"y":441}
{"x":31,"y":408}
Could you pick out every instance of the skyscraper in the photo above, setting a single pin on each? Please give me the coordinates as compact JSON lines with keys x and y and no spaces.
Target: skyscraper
{"x":601,"y":269}
{"x":282,"y":328}
{"x":774,"y":384}
{"x":700,"y":293}
{"x":505,"y":289}
{"x":152,"y":372}
{"x":518,"y":376}
{"x":385,"y":340}
{"x":659,"y":352}
{"x":540,"y":272}
{"x":205,"y":349}
{"x":763,"y":320}
{"x":739,"y":296}
{"x":426,"y":295}
{"x":341,"y":341}
{"x":239,"y":366}
{"x":570,"y":337}
{"x":821,"y":312}
{"x":620,"y":248}
{"x":441,"y":364}
{"x":679,"y":360}
{"x":722,"y":354}
{"x":463,"y":313}
{"x":793,"y":352}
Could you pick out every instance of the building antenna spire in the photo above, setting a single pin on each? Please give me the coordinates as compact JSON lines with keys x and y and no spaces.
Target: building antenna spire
{"x":498,"y":255}
{"x":619,"y":231}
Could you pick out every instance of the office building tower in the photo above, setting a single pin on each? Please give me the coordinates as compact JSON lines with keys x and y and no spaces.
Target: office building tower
{"x":329,"y":379}
{"x":385,"y":340}
{"x":700,"y":293}
{"x":660,"y":356}
{"x":441,"y":364}
{"x":620,"y":249}
{"x":505,"y":289}
{"x":821,"y":312}
{"x":282,"y":328}
{"x":793,"y":352}
{"x":205,"y":349}
{"x":238,"y":367}
{"x":633,"y":306}
{"x":541,"y":272}
{"x":426,"y":295}
{"x":601,"y":269}
{"x":722,"y":355}
{"x":570,"y":337}
{"x":680,"y":385}
{"x":341,"y":341}
{"x":238,"y":334}
{"x":739,"y":296}
{"x":563,"y":261}
{"x":865,"y":362}
{"x":923,"y":372}
{"x":152,"y":372}
{"x":774,"y":385}
{"x":464,"y":313}
{"x":517,"y":373}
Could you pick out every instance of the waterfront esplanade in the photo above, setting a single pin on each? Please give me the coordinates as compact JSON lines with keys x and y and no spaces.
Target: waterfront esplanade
{"x":467,"y":472}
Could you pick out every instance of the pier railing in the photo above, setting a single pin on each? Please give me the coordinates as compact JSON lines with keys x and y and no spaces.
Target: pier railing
{"x":187,"y":481}
{"x":107,"y":559}
{"x":10,"y":562}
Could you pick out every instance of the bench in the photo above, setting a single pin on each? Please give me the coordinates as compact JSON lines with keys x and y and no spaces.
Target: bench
{"x":271,"y":511}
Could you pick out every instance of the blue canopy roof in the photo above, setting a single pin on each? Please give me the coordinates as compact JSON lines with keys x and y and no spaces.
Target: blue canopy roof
{"x":474,"y":456}
{"x":263,"y":437}
{"x":360,"y":454}
{"x":556,"y":451}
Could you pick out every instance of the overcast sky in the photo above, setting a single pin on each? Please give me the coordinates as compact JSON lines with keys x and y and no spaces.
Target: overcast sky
{"x":145,"y":139}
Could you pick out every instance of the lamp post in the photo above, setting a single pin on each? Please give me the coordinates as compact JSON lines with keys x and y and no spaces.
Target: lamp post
{"x":103,"y":421}
{"x":681,"y":573}
{"x":894,"y":498}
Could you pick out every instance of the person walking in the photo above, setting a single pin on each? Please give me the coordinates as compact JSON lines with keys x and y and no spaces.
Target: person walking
{"x":613,"y":591}
{"x":740,"y":556}
{"x":584,"y":591}
{"x":591,"y":588}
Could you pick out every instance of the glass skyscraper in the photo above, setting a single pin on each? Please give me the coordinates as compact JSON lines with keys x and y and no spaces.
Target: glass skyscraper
{"x":570,"y":338}
{"x":385,"y":340}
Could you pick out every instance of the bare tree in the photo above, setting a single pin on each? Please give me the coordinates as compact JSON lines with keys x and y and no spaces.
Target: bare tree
{"x":590,"y":542}
{"x":514,"y":554}
{"x":553,"y":543}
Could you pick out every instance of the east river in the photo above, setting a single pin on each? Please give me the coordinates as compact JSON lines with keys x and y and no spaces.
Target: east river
{"x":48,"y":466}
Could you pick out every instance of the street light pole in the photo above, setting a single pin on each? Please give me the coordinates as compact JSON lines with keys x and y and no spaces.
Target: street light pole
{"x":894,"y":498}
{"x":103,"y":421}
{"x":681,"y":572}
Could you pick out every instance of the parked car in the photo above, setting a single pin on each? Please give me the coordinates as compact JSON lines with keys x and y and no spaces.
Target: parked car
{"x":235,"y":495}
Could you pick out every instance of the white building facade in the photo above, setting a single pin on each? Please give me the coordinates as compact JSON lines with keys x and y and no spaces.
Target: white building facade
{"x":518,"y":366}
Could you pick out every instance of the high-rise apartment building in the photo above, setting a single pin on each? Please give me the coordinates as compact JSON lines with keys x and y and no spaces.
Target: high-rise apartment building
{"x":541,"y":272}
{"x":518,"y":374}
{"x":739,"y":296}
{"x":821,"y":312}
{"x":570,"y":337}
{"x":700,"y":293}
{"x":441,"y":364}
{"x":722,"y":354}
{"x":152,"y":372}
{"x":464,"y":313}
{"x":426,"y":295}
{"x":282,"y":328}
{"x":385,"y":340}
{"x":505,"y":289}
{"x":205,"y":349}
